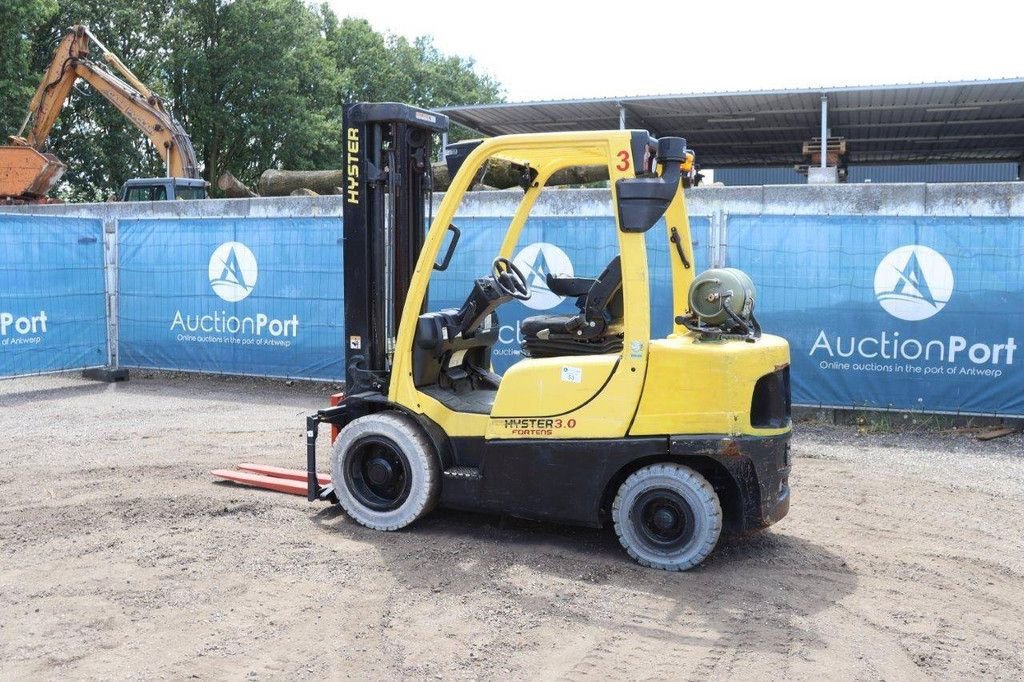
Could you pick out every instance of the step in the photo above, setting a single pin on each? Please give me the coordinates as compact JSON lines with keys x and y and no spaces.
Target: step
{"x":463,"y":473}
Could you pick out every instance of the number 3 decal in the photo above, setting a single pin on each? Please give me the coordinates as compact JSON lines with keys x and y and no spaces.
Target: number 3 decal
{"x":624,"y":158}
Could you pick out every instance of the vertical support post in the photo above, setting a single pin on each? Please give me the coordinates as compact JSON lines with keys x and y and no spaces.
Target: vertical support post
{"x":312,"y":483}
{"x":712,"y":245}
{"x":444,"y":146}
{"x":723,"y":237}
{"x":712,"y":235}
{"x":111,"y":284}
{"x":622,"y":117}
{"x":824,"y":130}
{"x":112,"y":372}
{"x":717,"y":239}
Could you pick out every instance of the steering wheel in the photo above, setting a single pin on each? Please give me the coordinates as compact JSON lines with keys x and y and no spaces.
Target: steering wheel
{"x":510,"y":279}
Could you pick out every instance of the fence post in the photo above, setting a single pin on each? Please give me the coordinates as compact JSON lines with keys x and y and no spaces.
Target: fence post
{"x":112,"y":372}
{"x":110,"y":277}
{"x":719,"y":221}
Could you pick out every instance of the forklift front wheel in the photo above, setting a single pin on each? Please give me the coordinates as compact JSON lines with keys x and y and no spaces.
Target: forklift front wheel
{"x":385,"y":471}
{"x":667,"y":516}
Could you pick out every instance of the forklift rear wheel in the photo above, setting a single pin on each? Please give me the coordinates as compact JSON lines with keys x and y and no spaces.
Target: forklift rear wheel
{"x":667,"y":516}
{"x":385,"y":471}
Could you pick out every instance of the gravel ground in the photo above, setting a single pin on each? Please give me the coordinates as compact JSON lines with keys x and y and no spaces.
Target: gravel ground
{"x":902,"y":558}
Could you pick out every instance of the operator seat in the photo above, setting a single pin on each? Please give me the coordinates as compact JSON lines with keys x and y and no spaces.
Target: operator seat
{"x":588,"y":332}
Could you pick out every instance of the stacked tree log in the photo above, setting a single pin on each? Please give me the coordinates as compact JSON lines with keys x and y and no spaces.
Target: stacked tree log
{"x":234,"y":188}
{"x":499,"y":174}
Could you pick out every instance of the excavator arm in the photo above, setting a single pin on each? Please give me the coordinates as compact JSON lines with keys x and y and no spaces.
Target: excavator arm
{"x":138,"y":103}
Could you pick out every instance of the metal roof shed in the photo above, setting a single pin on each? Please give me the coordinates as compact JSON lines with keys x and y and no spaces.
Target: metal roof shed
{"x":966,"y":121}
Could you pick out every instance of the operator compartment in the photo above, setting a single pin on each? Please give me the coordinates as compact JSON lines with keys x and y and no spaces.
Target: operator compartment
{"x":444,"y":355}
{"x":451,"y":355}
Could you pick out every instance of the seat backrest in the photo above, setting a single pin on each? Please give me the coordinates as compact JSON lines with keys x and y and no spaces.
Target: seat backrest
{"x":604,"y":290}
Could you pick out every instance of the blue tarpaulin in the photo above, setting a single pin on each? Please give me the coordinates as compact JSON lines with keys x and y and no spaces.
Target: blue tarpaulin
{"x":52,"y":296}
{"x":890,"y":312}
{"x":902,"y":312}
{"x":233,"y":296}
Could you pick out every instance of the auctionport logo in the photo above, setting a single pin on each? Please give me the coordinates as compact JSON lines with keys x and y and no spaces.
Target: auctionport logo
{"x":913,"y":283}
{"x":536,"y":261}
{"x":17,"y":330}
{"x":233,"y":271}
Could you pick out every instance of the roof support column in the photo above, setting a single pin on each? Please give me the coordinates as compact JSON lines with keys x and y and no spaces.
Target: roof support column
{"x":824,"y":130}
{"x":622,"y":116}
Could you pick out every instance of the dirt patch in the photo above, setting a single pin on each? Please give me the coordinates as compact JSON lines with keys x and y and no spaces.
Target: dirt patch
{"x":902,"y":557}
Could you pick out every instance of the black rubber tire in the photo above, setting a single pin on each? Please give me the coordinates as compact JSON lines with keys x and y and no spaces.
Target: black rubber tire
{"x":680,"y":483}
{"x":423,"y":471}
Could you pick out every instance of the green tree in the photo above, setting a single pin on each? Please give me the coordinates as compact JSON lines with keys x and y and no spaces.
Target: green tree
{"x":17,"y":82}
{"x":253,"y":85}
{"x":385,"y":67}
{"x":257,"y":84}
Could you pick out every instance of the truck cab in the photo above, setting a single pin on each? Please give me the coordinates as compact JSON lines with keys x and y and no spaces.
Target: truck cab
{"x":164,"y":189}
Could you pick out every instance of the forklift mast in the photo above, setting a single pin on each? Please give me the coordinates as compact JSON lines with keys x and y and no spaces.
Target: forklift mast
{"x":388,"y":181}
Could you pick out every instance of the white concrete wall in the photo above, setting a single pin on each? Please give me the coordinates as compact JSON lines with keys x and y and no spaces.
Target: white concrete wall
{"x":980,"y":199}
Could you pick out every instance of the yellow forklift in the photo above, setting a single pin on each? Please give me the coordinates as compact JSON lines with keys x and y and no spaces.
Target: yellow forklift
{"x":667,"y":440}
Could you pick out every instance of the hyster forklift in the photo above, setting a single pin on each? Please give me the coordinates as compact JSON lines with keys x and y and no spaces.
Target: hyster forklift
{"x":668,"y":440}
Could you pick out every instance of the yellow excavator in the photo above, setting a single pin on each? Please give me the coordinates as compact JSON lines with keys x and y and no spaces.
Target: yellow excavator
{"x":28,"y":173}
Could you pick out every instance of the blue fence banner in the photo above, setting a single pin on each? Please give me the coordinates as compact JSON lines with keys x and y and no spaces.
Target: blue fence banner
{"x":902,"y":312}
{"x":580,"y":246}
{"x":259,"y":296}
{"x":52,"y":295}
{"x":881,"y":312}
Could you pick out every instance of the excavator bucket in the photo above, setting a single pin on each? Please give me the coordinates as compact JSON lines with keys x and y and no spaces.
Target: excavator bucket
{"x":26,"y":173}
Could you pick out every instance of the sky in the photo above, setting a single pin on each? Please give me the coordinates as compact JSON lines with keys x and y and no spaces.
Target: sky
{"x":559,"y":50}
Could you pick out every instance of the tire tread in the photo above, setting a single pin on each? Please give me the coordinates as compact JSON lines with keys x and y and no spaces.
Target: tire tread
{"x":699,"y":485}
{"x":389,"y":423}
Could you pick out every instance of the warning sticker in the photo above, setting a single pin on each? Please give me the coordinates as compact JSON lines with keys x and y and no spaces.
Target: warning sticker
{"x":572,"y":375}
